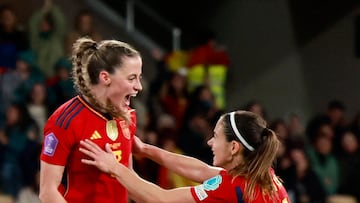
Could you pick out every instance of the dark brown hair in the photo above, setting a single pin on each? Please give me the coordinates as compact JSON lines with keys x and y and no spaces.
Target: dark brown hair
{"x":257,"y":161}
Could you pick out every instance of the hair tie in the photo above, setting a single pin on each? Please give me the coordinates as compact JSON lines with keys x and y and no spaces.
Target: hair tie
{"x":94,"y":46}
{"x":237,"y":133}
{"x":266,"y":132}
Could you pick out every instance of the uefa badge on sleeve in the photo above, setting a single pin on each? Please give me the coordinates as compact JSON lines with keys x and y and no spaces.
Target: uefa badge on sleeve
{"x":50,"y":144}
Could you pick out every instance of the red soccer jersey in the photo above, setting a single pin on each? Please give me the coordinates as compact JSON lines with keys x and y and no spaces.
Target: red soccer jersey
{"x":74,"y":121}
{"x":223,"y":188}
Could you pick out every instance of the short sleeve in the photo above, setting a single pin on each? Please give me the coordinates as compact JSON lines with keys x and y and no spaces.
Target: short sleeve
{"x":215,"y":189}
{"x":57,"y":144}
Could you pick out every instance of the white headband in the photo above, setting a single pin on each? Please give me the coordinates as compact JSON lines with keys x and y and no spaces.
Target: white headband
{"x":237,"y":133}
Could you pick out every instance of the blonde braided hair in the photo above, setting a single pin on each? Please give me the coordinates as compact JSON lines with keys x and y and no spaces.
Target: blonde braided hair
{"x":89,"y":58}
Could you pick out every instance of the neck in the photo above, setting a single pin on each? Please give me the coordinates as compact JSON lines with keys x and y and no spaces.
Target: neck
{"x":99,"y":94}
{"x":233,"y":163}
{"x":88,"y":100}
{"x":102,"y":112}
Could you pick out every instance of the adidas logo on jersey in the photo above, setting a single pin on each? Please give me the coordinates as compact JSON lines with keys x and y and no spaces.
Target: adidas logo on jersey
{"x":95,"y":135}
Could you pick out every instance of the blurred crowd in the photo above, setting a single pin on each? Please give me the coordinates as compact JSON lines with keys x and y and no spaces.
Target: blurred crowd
{"x":177,"y":111}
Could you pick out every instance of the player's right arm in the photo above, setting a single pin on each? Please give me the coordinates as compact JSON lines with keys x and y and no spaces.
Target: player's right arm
{"x":50,"y":179}
{"x":188,"y":167}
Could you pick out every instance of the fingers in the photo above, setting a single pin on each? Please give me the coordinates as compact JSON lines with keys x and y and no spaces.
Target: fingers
{"x":108,"y":148}
{"x":91,"y":146}
{"x":87,"y":152}
{"x":88,"y":162}
{"x":90,"y":154}
{"x":92,"y":150}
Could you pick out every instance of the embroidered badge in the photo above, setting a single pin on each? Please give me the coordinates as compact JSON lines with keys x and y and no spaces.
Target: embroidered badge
{"x":112,"y":130}
{"x":50,"y":144}
{"x":200,"y":192}
{"x":213,"y":183}
{"x":125,"y":129}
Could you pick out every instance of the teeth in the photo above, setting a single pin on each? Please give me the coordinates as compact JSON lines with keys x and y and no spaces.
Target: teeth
{"x":128,"y":97}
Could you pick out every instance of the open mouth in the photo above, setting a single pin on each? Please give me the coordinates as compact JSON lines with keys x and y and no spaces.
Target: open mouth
{"x":128,"y":98}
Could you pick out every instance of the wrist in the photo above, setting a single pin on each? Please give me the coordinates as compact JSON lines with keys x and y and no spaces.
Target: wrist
{"x":113,"y":170}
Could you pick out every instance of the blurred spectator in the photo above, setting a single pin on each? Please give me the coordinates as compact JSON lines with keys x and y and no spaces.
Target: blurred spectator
{"x":167,"y":139}
{"x":322,"y":161}
{"x":12,"y":39}
{"x":296,"y":129}
{"x":31,"y":167}
{"x":208,"y":51}
{"x":283,"y":166}
{"x":174,"y":97}
{"x":61,"y":85}
{"x":349,"y":165}
{"x":38,"y":107}
{"x":335,"y":112}
{"x":177,"y":59}
{"x":3,"y":146}
{"x":256,"y":107}
{"x":307,"y":187}
{"x":336,"y":115}
{"x":163,"y":72}
{"x":145,"y":167}
{"x":161,"y":77}
{"x":47,"y":35}
{"x":280,"y":128}
{"x":194,"y":136}
{"x":15,"y":84}
{"x":283,"y":160}
{"x":84,"y":27}
{"x":30,"y":193}
{"x":202,"y":102}
{"x":19,"y":132}
{"x":208,"y":63}
{"x":355,"y":125}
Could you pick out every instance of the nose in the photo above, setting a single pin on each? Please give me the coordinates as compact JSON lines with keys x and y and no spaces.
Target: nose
{"x":138,"y":85}
{"x":210,"y":142}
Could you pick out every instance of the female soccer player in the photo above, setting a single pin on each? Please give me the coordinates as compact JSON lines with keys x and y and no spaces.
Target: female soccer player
{"x":244,"y":150}
{"x":107,"y":75}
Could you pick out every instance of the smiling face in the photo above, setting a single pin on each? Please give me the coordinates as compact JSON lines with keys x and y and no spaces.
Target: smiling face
{"x":222,"y":149}
{"x":125,"y":83}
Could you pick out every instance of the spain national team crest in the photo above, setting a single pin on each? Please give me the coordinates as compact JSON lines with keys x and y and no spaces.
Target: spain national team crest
{"x":125,"y":129}
{"x":112,"y":130}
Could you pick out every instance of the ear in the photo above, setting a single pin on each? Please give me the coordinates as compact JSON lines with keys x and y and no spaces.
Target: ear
{"x":236,"y":147}
{"x":104,"y":77}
